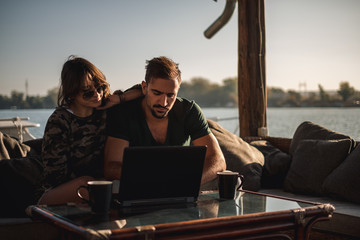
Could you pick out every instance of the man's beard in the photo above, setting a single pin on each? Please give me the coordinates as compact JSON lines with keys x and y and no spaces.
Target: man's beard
{"x":156,"y":114}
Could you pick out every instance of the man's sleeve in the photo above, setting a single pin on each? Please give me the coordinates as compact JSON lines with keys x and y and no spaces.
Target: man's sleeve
{"x":196,"y":122}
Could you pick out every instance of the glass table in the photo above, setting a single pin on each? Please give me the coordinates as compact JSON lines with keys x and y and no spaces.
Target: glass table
{"x":250,"y":214}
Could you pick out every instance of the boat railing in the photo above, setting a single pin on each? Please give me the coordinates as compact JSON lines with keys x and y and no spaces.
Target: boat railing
{"x":17,"y":127}
{"x":15,"y":119}
{"x":219,"y":119}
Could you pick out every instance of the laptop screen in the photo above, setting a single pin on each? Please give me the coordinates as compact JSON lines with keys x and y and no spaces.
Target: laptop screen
{"x":161,"y":174}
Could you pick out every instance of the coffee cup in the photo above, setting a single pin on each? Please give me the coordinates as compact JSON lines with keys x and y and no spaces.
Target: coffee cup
{"x":100,"y":193}
{"x":229,"y":182}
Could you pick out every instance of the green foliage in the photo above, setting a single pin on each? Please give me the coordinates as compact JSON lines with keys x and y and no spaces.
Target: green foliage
{"x":18,"y":100}
{"x":208,"y":94}
{"x":346,"y":96}
{"x":346,"y":91}
{"x":324,"y":97}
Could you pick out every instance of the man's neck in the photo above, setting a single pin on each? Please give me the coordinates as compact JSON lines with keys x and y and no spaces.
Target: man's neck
{"x":157,"y":126}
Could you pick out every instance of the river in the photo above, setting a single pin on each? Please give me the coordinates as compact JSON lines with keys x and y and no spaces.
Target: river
{"x":282,"y":122}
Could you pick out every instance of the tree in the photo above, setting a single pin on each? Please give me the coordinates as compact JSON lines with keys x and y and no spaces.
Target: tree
{"x":275,"y":97}
{"x":5,"y":102}
{"x":17,"y":99}
{"x":293,"y":98}
{"x":324,"y":97}
{"x":229,"y":96}
{"x":345,"y":91}
{"x":197,"y":90}
{"x":208,"y":94}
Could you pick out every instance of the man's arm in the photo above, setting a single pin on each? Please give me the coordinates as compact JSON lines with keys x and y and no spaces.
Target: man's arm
{"x":214,"y":159}
{"x":113,"y":158}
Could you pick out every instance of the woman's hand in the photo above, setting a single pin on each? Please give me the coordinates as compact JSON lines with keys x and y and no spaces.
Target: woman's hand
{"x":109,"y":101}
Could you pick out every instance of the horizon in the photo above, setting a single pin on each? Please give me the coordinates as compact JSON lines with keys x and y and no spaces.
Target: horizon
{"x":312,"y":42}
{"x":301,"y":90}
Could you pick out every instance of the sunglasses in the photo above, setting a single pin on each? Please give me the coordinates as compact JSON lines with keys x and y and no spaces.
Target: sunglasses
{"x":87,"y":94}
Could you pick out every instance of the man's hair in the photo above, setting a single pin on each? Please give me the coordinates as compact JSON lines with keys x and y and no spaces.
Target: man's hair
{"x":162,"y":67}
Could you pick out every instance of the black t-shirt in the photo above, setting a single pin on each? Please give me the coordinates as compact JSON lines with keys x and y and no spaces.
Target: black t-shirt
{"x":186,"y":123}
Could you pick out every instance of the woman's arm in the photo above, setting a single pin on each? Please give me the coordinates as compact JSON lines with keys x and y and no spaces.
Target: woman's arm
{"x":119,"y":96}
{"x":55,"y":151}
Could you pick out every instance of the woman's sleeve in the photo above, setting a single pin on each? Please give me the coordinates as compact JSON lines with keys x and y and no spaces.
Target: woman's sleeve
{"x":55,"y":151}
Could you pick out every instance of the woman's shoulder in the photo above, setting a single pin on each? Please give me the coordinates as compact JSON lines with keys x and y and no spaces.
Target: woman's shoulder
{"x":60,"y":115}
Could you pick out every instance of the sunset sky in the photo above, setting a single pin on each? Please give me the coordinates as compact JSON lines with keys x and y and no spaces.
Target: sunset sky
{"x":307,"y":41}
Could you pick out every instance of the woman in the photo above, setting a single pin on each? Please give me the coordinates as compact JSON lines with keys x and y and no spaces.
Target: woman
{"x":74,"y":138}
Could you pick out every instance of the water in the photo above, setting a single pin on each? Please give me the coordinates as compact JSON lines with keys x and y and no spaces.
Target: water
{"x":282,"y":122}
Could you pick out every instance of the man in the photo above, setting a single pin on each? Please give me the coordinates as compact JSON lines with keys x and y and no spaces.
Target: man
{"x":160,"y":118}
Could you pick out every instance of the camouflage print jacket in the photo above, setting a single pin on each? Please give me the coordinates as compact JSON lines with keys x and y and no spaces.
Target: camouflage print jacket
{"x":73,"y":146}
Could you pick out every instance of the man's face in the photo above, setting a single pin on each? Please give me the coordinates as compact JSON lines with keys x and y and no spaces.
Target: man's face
{"x":160,"y":95}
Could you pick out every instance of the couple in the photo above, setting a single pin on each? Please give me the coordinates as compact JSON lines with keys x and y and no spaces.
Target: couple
{"x":82,"y":141}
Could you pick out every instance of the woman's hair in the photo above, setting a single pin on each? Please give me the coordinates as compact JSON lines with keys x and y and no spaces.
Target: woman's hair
{"x":74,"y":73}
{"x":162,"y":67}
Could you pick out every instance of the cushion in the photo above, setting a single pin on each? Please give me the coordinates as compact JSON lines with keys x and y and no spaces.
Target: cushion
{"x":20,"y":176}
{"x":240,"y":156}
{"x":344,"y":181}
{"x":309,"y":130}
{"x":11,"y":147}
{"x":312,"y":162}
{"x":20,"y":184}
{"x":35,"y":145}
{"x":276,"y":166}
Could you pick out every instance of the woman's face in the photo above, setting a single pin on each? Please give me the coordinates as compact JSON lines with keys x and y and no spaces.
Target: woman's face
{"x":89,"y":96}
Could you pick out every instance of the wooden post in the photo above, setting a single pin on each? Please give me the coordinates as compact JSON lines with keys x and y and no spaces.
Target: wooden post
{"x":251,"y":67}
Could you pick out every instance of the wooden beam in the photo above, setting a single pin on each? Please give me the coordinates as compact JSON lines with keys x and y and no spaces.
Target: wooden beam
{"x":251,"y":67}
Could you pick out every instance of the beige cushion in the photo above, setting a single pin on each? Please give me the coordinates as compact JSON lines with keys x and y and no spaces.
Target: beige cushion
{"x":312,"y":162}
{"x":11,"y":148}
{"x":240,"y":156}
{"x":344,"y":181}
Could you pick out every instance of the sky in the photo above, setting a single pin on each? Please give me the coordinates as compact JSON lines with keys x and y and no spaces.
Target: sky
{"x":308,"y":42}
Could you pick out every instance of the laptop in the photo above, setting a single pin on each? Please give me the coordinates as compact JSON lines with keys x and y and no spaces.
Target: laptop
{"x":161,"y":175}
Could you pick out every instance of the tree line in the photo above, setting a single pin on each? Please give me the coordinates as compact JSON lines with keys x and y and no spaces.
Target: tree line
{"x":19,"y":100}
{"x":208,"y":94}
{"x":345,"y":96}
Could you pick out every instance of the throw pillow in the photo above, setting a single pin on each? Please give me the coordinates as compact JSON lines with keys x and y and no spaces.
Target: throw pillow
{"x":312,"y":162}
{"x":240,"y":156}
{"x":309,"y":130}
{"x":344,"y":181}
{"x":277,"y":164}
{"x":11,"y":147}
